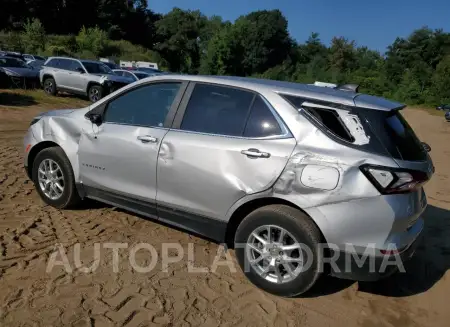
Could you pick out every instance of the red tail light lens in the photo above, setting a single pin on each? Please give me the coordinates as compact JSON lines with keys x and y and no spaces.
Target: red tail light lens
{"x":393,"y":181}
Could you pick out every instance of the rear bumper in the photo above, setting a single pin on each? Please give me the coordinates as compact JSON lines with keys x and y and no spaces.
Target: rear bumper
{"x":371,"y":268}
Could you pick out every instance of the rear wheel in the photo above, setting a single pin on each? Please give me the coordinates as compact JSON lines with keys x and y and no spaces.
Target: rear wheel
{"x":95,"y":93}
{"x":277,"y":248}
{"x":50,"y":86}
{"x":53,"y":178}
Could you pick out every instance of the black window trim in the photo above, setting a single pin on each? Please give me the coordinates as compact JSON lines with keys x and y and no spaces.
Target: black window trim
{"x":286,"y":133}
{"x":101,"y":108}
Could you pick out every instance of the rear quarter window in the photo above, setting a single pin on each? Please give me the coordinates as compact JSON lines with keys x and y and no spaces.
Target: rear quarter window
{"x":387,"y":132}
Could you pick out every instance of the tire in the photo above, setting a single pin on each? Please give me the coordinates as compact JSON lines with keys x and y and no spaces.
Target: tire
{"x":50,"y":86}
{"x":95,"y":93}
{"x":303,"y":231}
{"x":69,"y":196}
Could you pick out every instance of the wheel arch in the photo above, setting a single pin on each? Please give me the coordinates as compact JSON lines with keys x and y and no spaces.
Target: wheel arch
{"x":47,"y":75}
{"x":244,"y":209}
{"x":90,"y":84}
{"x":34,"y":152}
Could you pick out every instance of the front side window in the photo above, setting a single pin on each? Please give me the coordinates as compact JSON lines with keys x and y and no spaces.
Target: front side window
{"x":217,"y":110}
{"x":75,"y":66}
{"x":145,"y":106}
{"x":65,"y":64}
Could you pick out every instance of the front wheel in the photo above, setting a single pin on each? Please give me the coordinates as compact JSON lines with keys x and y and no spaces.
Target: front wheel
{"x":277,"y":247}
{"x":53,"y":178}
{"x":95,"y":93}
{"x":50,"y":86}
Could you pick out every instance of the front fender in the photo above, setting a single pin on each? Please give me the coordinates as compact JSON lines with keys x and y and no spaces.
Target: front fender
{"x":64,"y":132}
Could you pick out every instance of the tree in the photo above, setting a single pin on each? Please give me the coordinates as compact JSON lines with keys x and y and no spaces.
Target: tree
{"x":34,"y":36}
{"x":177,"y":37}
{"x":441,"y":80}
{"x":92,"y":41}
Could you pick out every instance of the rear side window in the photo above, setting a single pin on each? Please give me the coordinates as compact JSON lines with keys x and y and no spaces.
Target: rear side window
{"x":261,"y":122}
{"x":331,"y":120}
{"x":384,"y":132}
{"x":217,"y":110}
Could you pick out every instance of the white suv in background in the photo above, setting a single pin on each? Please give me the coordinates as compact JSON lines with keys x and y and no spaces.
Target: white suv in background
{"x":90,"y":78}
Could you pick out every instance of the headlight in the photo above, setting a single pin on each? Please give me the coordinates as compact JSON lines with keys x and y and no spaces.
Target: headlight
{"x":35,"y":120}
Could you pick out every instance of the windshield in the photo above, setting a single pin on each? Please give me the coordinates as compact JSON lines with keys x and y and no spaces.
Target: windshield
{"x":97,"y":68}
{"x":12,"y":62}
{"x":141,"y":75}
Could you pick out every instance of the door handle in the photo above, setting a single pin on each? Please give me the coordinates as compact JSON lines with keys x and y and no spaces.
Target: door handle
{"x":255,"y":153}
{"x":147,"y":139}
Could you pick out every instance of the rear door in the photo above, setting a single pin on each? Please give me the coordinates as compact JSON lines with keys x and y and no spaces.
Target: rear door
{"x":225,"y":143}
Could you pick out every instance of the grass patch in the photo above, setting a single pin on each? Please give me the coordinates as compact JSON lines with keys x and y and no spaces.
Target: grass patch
{"x":19,"y":98}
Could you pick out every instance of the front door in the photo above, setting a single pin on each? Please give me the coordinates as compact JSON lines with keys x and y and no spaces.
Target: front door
{"x":120,"y":155}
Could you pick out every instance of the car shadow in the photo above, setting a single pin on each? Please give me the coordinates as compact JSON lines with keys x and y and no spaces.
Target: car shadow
{"x":16,"y":99}
{"x":429,"y":264}
{"x":423,"y":271}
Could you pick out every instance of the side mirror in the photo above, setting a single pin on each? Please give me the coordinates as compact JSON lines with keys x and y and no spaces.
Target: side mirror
{"x":95,"y":119}
{"x":80,"y":70}
{"x":426,"y":146}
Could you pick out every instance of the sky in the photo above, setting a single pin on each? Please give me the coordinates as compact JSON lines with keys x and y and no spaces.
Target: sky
{"x":372,"y":23}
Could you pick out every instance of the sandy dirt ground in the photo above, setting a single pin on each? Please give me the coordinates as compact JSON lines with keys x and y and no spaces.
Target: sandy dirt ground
{"x":30,"y":296}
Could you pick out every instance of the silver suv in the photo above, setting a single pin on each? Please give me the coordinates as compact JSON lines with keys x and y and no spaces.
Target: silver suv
{"x":90,"y":78}
{"x":292,"y":176}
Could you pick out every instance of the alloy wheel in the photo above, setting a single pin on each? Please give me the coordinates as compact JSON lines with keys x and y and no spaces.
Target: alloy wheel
{"x":274,"y":254}
{"x":51,"y":179}
{"x":48,"y":86}
{"x":95,"y":95}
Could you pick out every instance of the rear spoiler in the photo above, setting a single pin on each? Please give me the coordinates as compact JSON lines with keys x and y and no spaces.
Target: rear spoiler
{"x":348,"y":87}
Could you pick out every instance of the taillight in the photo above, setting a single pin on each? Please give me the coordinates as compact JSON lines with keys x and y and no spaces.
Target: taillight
{"x":392,"y":180}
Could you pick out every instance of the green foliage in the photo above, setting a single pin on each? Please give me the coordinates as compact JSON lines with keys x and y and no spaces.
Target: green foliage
{"x":92,"y":40}
{"x":414,"y":69}
{"x":33,"y":36}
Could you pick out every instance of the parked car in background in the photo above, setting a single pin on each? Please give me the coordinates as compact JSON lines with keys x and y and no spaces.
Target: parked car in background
{"x":443,"y":107}
{"x":447,"y":116}
{"x":19,"y":73}
{"x":134,"y":74}
{"x":278,"y":170}
{"x":84,"y":77}
{"x":36,"y":64}
{"x":29,"y":57}
{"x":16,"y":55}
{"x":147,"y":70}
{"x":111,"y":65}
